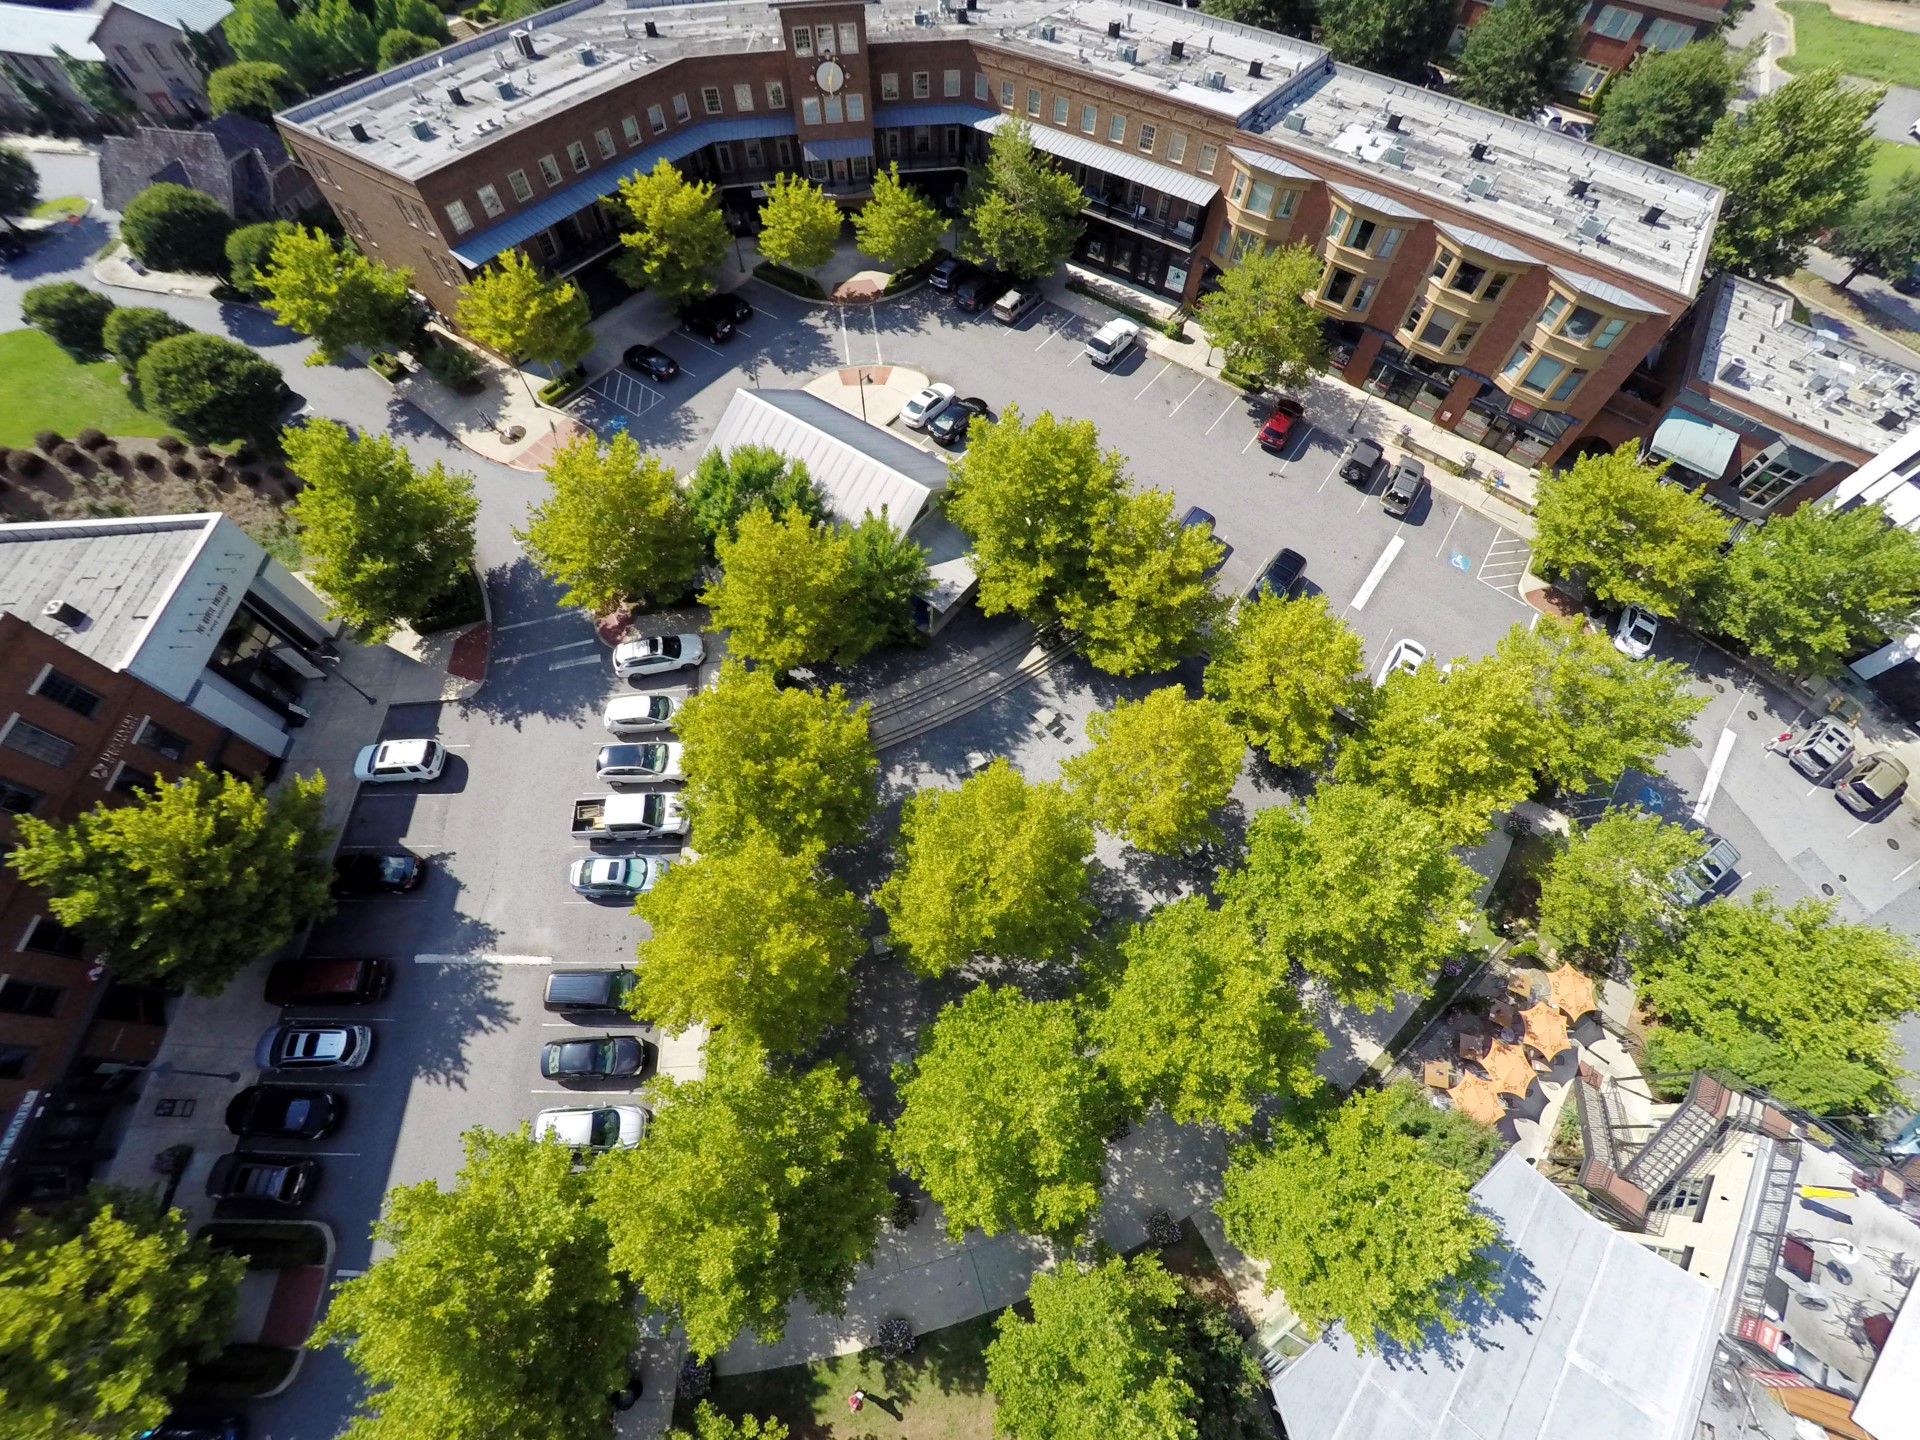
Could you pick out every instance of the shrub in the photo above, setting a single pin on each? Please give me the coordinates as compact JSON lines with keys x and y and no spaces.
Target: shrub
{"x":28,"y":465}
{"x":247,"y":454}
{"x":131,"y":332}
{"x":1162,"y":1229}
{"x":182,"y":467}
{"x":696,"y":1378}
{"x":210,"y":388}
{"x":148,"y":463}
{"x":398,"y":46}
{"x":172,"y":444}
{"x":177,"y":228}
{"x":6,"y":457}
{"x":387,"y":366}
{"x":90,"y":439}
{"x":896,"y":1338}
{"x":67,"y":455}
{"x":213,"y":470}
{"x":454,"y":366}
{"x":248,"y":250}
{"x":48,"y":440}
{"x":557,"y":389}
{"x":205,"y":452}
{"x":71,"y":314}
{"x":111,"y":458}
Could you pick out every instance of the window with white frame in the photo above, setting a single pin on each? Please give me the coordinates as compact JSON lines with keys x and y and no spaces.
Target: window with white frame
{"x":1117,"y":129}
{"x":834,"y":112}
{"x":549,"y":247}
{"x":603,"y":142}
{"x":1208,"y":155}
{"x":810,"y":109}
{"x":1033,"y":103}
{"x":577,"y":153}
{"x":1144,"y":140}
{"x":1061,"y":105}
{"x":1665,"y":34}
{"x":1089,"y":117}
{"x":549,"y":170}
{"x":923,"y":85}
{"x":156,"y":737}
{"x":491,"y":202}
{"x":950,"y":84}
{"x":710,"y":99}
{"x":889,"y":85}
{"x":1006,"y":94}
{"x":756,"y":155}
{"x":803,"y":40}
{"x":1177,"y":148}
{"x":823,"y":39}
{"x":723,"y":157}
{"x":457,"y":213}
{"x":980,"y":91}
{"x":682,"y":111}
{"x":630,"y":129}
{"x":66,"y":692}
{"x":1586,"y":78}
{"x":856,"y":107}
{"x":1771,"y":475}
{"x":657,"y":118}
{"x":849,"y":39}
{"x":1616,"y":22}
{"x":776,"y":95}
{"x":742,"y":96}
{"x":862,"y":167}
{"x":42,"y":745}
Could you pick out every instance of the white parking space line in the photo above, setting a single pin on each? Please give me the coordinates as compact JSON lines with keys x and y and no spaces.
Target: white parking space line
{"x":1223,"y":414}
{"x":1394,"y":546}
{"x":1051,"y":335}
{"x":1450,"y":524}
{"x":1250,"y":440}
{"x":482,"y":957}
{"x":873,"y":322}
{"x":701,"y":343}
{"x":576,"y":660}
{"x":1505,"y":565}
{"x":1858,"y":828}
{"x":1714,"y":772}
{"x":1149,"y":385}
{"x":550,"y":650}
{"x":1189,"y":395}
{"x":333,"y":1154}
{"x":1903,"y":872}
{"x":543,"y":620}
{"x":846,"y":355}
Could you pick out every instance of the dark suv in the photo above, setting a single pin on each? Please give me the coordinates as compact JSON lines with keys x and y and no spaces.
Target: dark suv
{"x":1358,"y":465}
{"x":949,"y":273}
{"x":979,"y":290}
{"x":320,"y":981}
{"x":599,"y":993}
{"x":711,"y":316}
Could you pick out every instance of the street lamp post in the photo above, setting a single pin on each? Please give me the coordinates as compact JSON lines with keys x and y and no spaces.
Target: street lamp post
{"x":332,"y":663}
{"x":863,"y":395}
{"x":167,"y":1067}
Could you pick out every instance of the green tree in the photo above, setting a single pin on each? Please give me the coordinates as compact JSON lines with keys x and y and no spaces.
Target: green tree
{"x":493,"y":1309}
{"x":19,"y":185}
{"x":750,"y":477}
{"x":1606,"y":892}
{"x":1393,"y":37}
{"x":1517,"y":55}
{"x":752,"y":940}
{"x":1457,"y":746}
{"x":1148,"y":602}
{"x":1023,"y":212}
{"x":1198,"y":1018}
{"x":996,"y":867}
{"x":335,"y":294}
{"x":1289,"y":17}
{"x":177,"y":228}
{"x":1031,"y":496}
{"x":890,"y":569}
{"x":897,"y":226}
{"x":104,"y":1302}
{"x":1357,"y":888}
{"x":259,"y":31}
{"x":1101,"y":1359}
{"x":339,"y":37}
{"x":253,"y":88}
{"x":250,"y":252}
{"x":615,"y":526}
{"x":1882,"y":232}
{"x":1665,"y":104}
{"x":1449,"y":1137}
{"x":1604,"y":714}
{"x":711,"y":1424}
{"x":1281,"y":670}
{"x":787,"y":594}
{"x":1258,"y":318}
{"x":386,"y":540}
{"x":1358,"y":1224}
{"x":422,"y":17}
{"x":515,"y":309}
{"x":798,"y":224}
{"x":751,"y":1186}
{"x":678,"y":237}
{"x":73,"y":316}
{"x":1792,"y":163}
{"x":131,"y":332}
{"x":1610,"y":522}
{"x":795,"y":763}
{"x":1004,"y":1116}
{"x":210,"y":389}
{"x":98,"y":86}
{"x":398,"y":46}
{"x":1813,"y":588}
{"x":1157,"y":769}
{"x":1790,"y":1000}
{"x":188,"y":882}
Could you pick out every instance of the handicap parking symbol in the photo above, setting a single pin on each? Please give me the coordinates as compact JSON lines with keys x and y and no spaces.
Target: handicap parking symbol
{"x":1460,"y":562}
{"x":1651,"y":798}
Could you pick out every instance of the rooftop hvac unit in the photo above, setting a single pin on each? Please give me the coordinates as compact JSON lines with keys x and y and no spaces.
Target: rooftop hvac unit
{"x":422,"y":130}
{"x":1293,"y":120}
{"x":1049,"y":32}
{"x":1129,"y":54}
{"x":1216,"y":79}
{"x":653,"y":31}
{"x":1394,"y":155}
{"x":1478,"y":150}
{"x":1735,"y":370}
{"x":1113,"y":29}
{"x":1393,"y":122}
{"x":1652,"y":217}
{"x":359,"y":132}
{"x":1178,"y":50}
{"x":503,"y":87}
{"x":1254,"y":69}
{"x":1590,"y":227}
{"x":1480,"y":186}
{"x":63,"y":613}
{"x":523,"y":42}
{"x":586,"y":54}
{"x":454,"y":94}
{"x":1577,"y":189}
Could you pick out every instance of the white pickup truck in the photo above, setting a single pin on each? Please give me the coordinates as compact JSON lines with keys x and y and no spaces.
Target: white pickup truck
{"x":629,"y":817}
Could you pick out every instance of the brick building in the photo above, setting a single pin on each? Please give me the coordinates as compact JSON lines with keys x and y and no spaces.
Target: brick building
{"x":130,"y":650}
{"x":1612,"y":35}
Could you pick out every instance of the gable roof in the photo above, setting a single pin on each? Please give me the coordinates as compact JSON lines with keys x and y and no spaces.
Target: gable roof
{"x":32,"y":30}
{"x":203,"y":159}
{"x":200,"y":15}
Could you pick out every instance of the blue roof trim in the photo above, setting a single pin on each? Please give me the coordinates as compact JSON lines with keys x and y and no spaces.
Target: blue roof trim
{"x":480,"y":248}
{"x":838,"y":149}
{"x":948,"y":114}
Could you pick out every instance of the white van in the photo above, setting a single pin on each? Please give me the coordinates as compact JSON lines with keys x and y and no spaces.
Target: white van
{"x":1014,"y":306}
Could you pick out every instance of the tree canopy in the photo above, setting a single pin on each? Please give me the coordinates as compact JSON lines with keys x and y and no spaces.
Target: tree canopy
{"x":1023,"y":211}
{"x":73,"y":316}
{"x":750,"y":477}
{"x":211,"y":389}
{"x":1358,"y":888}
{"x":897,"y":226}
{"x":253,"y":88}
{"x":1393,"y":37}
{"x":1882,"y":232}
{"x":890,"y":569}
{"x":678,"y":237}
{"x":398,"y":46}
{"x":1610,"y":521}
{"x":250,"y":253}
{"x":190,"y":881}
{"x":135,"y":329}
{"x":104,"y":1302}
{"x":1149,"y":600}
{"x":1289,"y":17}
{"x":1793,"y":163}
{"x":1517,"y":55}
{"x":997,"y":867}
{"x":787,"y":593}
{"x":1448,"y":1137}
{"x":19,"y":184}
{"x":1196,"y":1016}
{"x":521,"y":312}
{"x":798,"y":223}
{"x":1004,"y":1116}
{"x":335,"y":294}
{"x":1359,"y":1225}
{"x":177,"y":228}
{"x":1790,"y":1000}
{"x":1157,"y":769}
{"x":751,"y":1186}
{"x":615,"y":526}
{"x":1811,"y":589}
{"x":1282,"y":669}
{"x":1608,"y":889}
{"x":385,"y":539}
{"x":1258,"y":318}
{"x":1667,"y":100}
{"x":494,"y":1312}
{"x":795,"y":763}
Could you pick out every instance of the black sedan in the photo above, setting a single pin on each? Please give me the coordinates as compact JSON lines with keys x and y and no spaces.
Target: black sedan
{"x":656,"y":364}
{"x":608,"y":1057}
{"x":284,"y":1111}
{"x":951,"y":425}
{"x":710,"y":316}
{"x":278,"y":1179}
{"x":1280,"y":577}
{"x":731,"y":304}
{"x":184,"y":1427}
{"x":371,"y":872}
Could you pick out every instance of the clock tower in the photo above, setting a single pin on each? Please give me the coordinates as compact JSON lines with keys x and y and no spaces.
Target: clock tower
{"x":829,"y":88}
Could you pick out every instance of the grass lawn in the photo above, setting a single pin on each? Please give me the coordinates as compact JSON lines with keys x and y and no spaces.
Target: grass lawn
{"x":1891,"y":160}
{"x":936,"y":1393}
{"x":58,"y":206}
{"x":1872,"y":52}
{"x":48,"y":390}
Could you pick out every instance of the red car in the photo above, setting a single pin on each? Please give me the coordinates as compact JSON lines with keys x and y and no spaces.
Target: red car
{"x":1279,"y":427}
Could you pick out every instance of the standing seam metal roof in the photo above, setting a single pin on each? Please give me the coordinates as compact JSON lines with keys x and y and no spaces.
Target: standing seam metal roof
{"x":1114,"y":161}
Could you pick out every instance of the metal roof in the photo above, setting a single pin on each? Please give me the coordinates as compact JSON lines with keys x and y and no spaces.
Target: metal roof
{"x":1269,"y":164}
{"x":1375,"y":201}
{"x":479,"y":248}
{"x":30,"y":30}
{"x":1600,"y":290}
{"x":861,"y":468}
{"x":119,"y":574}
{"x":199,"y":15}
{"x":1113,"y":161}
{"x":1487,"y":244}
{"x":947,"y":114}
{"x":845,"y":149}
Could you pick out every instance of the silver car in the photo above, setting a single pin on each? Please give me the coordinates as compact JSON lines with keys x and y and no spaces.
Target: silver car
{"x":639,"y":764}
{"x":1822,"y":750}
{"x":1700,"y":881}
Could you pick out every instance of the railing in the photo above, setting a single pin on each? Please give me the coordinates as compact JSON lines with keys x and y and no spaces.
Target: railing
{"x":1139,"y":219}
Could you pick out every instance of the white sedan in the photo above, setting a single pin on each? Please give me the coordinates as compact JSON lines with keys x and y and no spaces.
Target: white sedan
{"x":394,"y":761}
{"x":923,"y":407}
{"x":656,"y":655}
{"x":616,"y":877}
{"x":596,"y":1127}
{"x":1633,"y":633}
{"x":1406,"y":655}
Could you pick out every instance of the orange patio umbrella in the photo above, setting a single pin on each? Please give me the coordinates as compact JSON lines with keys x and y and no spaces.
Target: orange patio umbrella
{"x":1572,"y":992}
{"x":1440,"y":1074}
{"x":1509,"y":1068}
{"x":1477,"y":1099}
{"x":1546,"y":1031}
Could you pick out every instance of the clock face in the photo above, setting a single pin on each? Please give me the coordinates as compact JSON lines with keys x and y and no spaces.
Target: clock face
{"x":829,"y":76}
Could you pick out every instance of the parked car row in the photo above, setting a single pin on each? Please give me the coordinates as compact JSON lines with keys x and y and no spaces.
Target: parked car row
{"x":1867,"y":784}
{"x":600,"y":995}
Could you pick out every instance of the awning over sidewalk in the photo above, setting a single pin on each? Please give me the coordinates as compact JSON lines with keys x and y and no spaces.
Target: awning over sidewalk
{"x":838,"y":149}
{"x":1111,"y":160}
{"x":1700,"y":445}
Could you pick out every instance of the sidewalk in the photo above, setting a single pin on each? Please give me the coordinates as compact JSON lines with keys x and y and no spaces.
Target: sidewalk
{"x":485,"y":422}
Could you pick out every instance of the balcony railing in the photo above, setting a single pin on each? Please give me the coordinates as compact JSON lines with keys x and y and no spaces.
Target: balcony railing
{"x":1139,"y":219}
